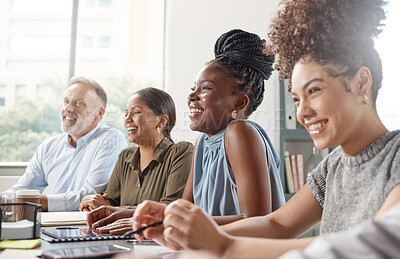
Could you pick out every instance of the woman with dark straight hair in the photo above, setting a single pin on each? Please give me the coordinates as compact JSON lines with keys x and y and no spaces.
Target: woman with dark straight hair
{"x":155,"y":169}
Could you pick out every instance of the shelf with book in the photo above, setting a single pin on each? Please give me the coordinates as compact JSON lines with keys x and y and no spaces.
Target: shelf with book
{"x":296,"y":147}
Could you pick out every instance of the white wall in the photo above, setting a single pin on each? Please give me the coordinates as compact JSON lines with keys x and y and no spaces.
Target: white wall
{"x":192,"y":28}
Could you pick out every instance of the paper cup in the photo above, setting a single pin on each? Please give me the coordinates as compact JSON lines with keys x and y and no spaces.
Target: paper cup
{"x":32,"y":196}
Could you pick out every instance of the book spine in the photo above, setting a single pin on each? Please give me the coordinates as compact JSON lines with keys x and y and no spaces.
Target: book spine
{"x":288,"y":170}
{"x":294,"y":172}
{"x":300,"y":169}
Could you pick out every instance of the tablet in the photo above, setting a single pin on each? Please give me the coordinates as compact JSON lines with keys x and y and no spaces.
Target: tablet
{"x":85,"y":252}
{"x":75,"y":234}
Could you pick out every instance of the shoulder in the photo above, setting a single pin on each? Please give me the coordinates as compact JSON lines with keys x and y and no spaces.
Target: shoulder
{"x":106,"y":131}
{"x":181,"y":147}
{"x":394,"y":139}
{"x":242,"y":131}
{"x":128,"y":151}
{"x":109,"y":138}
{"x":54,"y":140}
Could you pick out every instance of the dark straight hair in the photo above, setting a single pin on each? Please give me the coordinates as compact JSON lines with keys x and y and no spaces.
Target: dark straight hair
{"x":160,"y":103}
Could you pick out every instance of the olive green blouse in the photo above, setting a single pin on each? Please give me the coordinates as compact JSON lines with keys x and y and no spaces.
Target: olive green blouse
{"x":163,"y":180}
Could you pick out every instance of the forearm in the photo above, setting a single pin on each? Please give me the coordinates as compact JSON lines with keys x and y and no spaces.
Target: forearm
{"x":262,"y":226}
{"x":240,"y":247}
{"x":222,"y":220}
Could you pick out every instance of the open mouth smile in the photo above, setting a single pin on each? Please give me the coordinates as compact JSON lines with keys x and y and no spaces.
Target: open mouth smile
{"x":316,"y":128}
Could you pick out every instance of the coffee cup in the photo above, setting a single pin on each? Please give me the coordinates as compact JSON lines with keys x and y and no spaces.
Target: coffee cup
{"x":33,"y":196}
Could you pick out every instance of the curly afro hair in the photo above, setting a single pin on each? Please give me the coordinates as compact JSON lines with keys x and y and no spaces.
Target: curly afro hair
{"x":241,"y":55}
{"x":338,"y":32}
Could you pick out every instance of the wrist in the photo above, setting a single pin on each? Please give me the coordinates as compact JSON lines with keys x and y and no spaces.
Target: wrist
{"x":43,"y":202}
{"x":224,"y":246}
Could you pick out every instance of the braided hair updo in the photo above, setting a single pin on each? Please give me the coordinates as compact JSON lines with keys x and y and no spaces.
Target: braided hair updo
{"x":240,"y":54}
{"x":338,"y":32}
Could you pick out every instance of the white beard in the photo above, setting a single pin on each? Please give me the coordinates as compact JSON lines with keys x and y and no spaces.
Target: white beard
{"x":81,"y":124}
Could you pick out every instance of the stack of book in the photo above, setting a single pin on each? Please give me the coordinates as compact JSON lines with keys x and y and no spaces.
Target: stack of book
{"x":294,"y":167}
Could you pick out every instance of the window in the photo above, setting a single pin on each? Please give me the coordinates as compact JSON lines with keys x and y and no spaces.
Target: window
{"x":387,"y":46}
{"x":39,"y":6}
{"x":3,"y":89}
{"x":38,"y":44}
{"x":111,"y":49}
{"x":20,"y":90}
{"x":92,"y":4}
{"x":99,"y":42}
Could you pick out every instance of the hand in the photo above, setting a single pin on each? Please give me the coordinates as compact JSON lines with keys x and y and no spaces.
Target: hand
{"x":189,"y":227}
{"x":118,"y":227}
{"x":146,"y":213}
{"x":91,"y":202}
{"x":105,"y":215}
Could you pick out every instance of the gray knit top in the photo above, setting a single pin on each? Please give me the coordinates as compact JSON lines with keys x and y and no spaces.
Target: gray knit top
{"x":352,"y":189}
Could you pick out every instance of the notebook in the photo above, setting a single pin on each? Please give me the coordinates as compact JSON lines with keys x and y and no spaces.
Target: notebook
{"x":63,"y":218}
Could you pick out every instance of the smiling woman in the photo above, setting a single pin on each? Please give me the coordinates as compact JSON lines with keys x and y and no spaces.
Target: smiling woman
{"x":234,"y":171}
{"x":326,"y":48}
{"x":156,"y":169}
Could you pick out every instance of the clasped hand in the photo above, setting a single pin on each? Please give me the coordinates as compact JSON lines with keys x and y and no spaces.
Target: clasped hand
{"x":185,"y":226}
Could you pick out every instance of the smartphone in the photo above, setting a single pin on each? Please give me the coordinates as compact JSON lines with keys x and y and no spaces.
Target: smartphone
{"x":85,"y":252}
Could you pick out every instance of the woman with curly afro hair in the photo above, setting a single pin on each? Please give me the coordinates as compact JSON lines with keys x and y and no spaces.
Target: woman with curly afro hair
{"x":326,"y":49}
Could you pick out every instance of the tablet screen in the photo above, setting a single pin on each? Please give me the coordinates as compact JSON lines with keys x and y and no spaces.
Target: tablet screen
{"x":85,"y":252}
{"x":71,"y":232}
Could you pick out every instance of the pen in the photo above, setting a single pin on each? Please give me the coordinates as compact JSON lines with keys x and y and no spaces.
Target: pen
{"x":66,"y":228}
{"x":137,"y":231}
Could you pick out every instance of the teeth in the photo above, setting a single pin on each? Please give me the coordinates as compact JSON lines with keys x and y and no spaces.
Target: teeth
{"x":194,"y":110}
{"x":69,"y":118}
{"x":131,"y":128}
{"x":316,"y":126}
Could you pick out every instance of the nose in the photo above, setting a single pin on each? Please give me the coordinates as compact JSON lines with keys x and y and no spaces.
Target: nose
{"x":193,"y":96}
{"x":128,"y":118}
{"x":303,"y":111}
{"x":69,"y":107}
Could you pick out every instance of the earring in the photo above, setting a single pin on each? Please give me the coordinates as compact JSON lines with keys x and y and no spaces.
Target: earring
{"x":158,"y":130}
{"x":234,"y":114}
{"x":365,"y":101}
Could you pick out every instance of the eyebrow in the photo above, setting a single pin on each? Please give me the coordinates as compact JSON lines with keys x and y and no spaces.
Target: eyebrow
{"x":204,"y":81}
{"x":133,"y":107}
{"x":310,"y":82}
{"x":75,"y":100}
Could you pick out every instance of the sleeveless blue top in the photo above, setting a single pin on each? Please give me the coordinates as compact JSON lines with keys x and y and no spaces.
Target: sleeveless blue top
{"x":214,"y":186}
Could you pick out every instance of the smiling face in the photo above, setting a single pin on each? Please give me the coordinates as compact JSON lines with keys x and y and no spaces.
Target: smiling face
{"x":81,"y":110}
{"x":212,"y":101}
{"x":140,"y":122}
{"x":329,"y":112}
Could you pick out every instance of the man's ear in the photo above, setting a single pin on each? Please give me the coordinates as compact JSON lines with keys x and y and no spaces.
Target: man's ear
{"x":101,"y":112}
{"x":241,"y":102}
{"x":363,"y":81}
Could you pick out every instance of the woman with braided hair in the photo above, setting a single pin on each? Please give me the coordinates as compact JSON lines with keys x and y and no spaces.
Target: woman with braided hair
{"x":234,"y":171}
{"x":326,"y":49}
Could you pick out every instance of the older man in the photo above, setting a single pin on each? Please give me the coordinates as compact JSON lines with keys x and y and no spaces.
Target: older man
{"x":79,"y":161}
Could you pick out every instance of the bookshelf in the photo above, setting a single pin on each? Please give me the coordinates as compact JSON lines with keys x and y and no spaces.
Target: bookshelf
{"x":294,"y":139}
{"x":292,"y":136}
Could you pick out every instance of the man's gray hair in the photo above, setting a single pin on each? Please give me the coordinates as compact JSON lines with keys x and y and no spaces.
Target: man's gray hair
{"x":92,"y":84}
